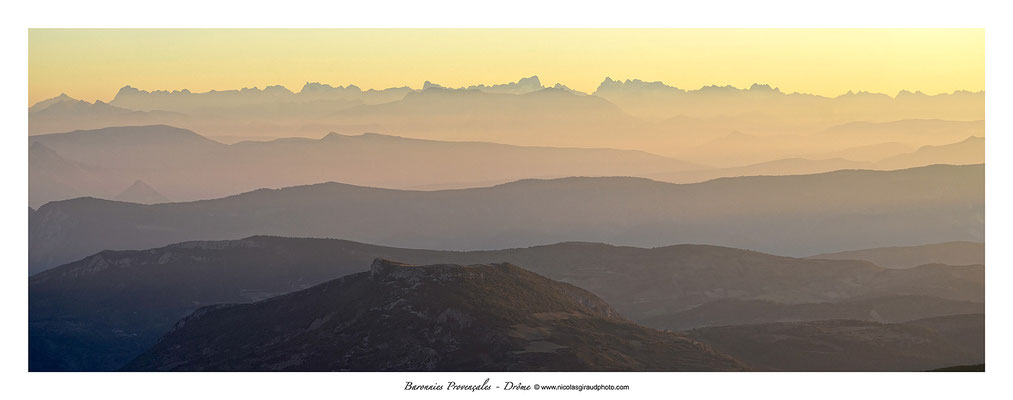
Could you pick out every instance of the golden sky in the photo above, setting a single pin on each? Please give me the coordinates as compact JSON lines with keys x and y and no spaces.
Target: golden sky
{"x":94,"y":64}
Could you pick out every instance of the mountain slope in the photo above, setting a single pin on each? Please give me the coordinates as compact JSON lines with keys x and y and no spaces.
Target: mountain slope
{"x":952,"y":253}
{"x":865,"y":153}
{"x":744,"y":145}
{"x":61,"y":114}
{"x":843,"y":345}
{"x":812,"y":213}
{"x":54,"y":177}
{"x":147,"y":146}
{"x":789,"y":166}
{"x":967,"y":151}
{"x":49,"y":102}
{"x":400,"y":317}
{"x":99,"y":312}
{"x":889,"y":309}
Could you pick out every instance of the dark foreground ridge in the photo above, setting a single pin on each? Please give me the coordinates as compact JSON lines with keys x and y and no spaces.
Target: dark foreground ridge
{"x":848,"y":345}
{"x":961,"y":368}
{"x":100,"y":312}
{"x":400,"y":317}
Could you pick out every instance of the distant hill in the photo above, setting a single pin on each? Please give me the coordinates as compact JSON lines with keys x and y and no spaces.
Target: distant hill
{"x":968,"y":151}
{"x":889,"y":309}
{"x":103,"y":310}
{"x":130,"y":146}
{"x":843,"y":345}
{"x":746,"y":146}
{"x":186,"y":166}
{"x":399,"y":317}
{"x":812,"y":213}
{"x":952,"y":253}
{"x":925,"y":131}
{"x":63,"y":113}
{"x":790,"y":166}
{"x":54,"y":177}
{"x":864,"y":153}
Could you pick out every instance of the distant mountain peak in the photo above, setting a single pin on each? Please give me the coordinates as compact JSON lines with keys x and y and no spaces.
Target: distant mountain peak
{"x":128,"y":90}
{"x":317,"y":87}
{"x":142,"y":193}
{"x":49,"y":102}
{"x":906,"y":93}
{"x":429,"y":85}
{"x":530,"y":81}
{"x":522,"y":86}
{"x":634,"y":84}
{"x":756,"y":87}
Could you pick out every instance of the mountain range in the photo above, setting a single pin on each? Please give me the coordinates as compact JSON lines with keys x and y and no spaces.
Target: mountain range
{"x":100,"y":312}
{"x":885,"y":309}
{"x":617,"y":115}
{"x":967,"y":151}
{"x":658,"y":100}
{"x":953,"y":253}
{"x":814,"y":214}
{"x":516,"y":226}
{"x":185,"y":166}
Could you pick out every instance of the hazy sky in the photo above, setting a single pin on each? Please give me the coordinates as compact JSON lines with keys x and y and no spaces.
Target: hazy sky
{"x":94,"y":64}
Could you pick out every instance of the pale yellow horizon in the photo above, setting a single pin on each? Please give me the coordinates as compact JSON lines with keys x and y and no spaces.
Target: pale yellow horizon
{"x":92,"y":64}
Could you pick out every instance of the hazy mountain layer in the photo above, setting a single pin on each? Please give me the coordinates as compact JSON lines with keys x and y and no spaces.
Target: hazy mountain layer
{"x":968,"y":151}
{"x":658,"y":100}
{"x":102,"y":311}
{"x":811,"y":213}
{"x":953,"y":253}
{"x":630,"y":115}
{"x":62,"y":114}
{"x":186,"y":166}
{"x":843,"y":345}
{"x":399,"y":317}
{"x":53,"y":177}
{"x":890,"y":309}
{"x":743,"y":147}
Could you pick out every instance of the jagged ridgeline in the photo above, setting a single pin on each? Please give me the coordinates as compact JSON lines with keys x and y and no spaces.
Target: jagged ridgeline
{"x":400,"y":317}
